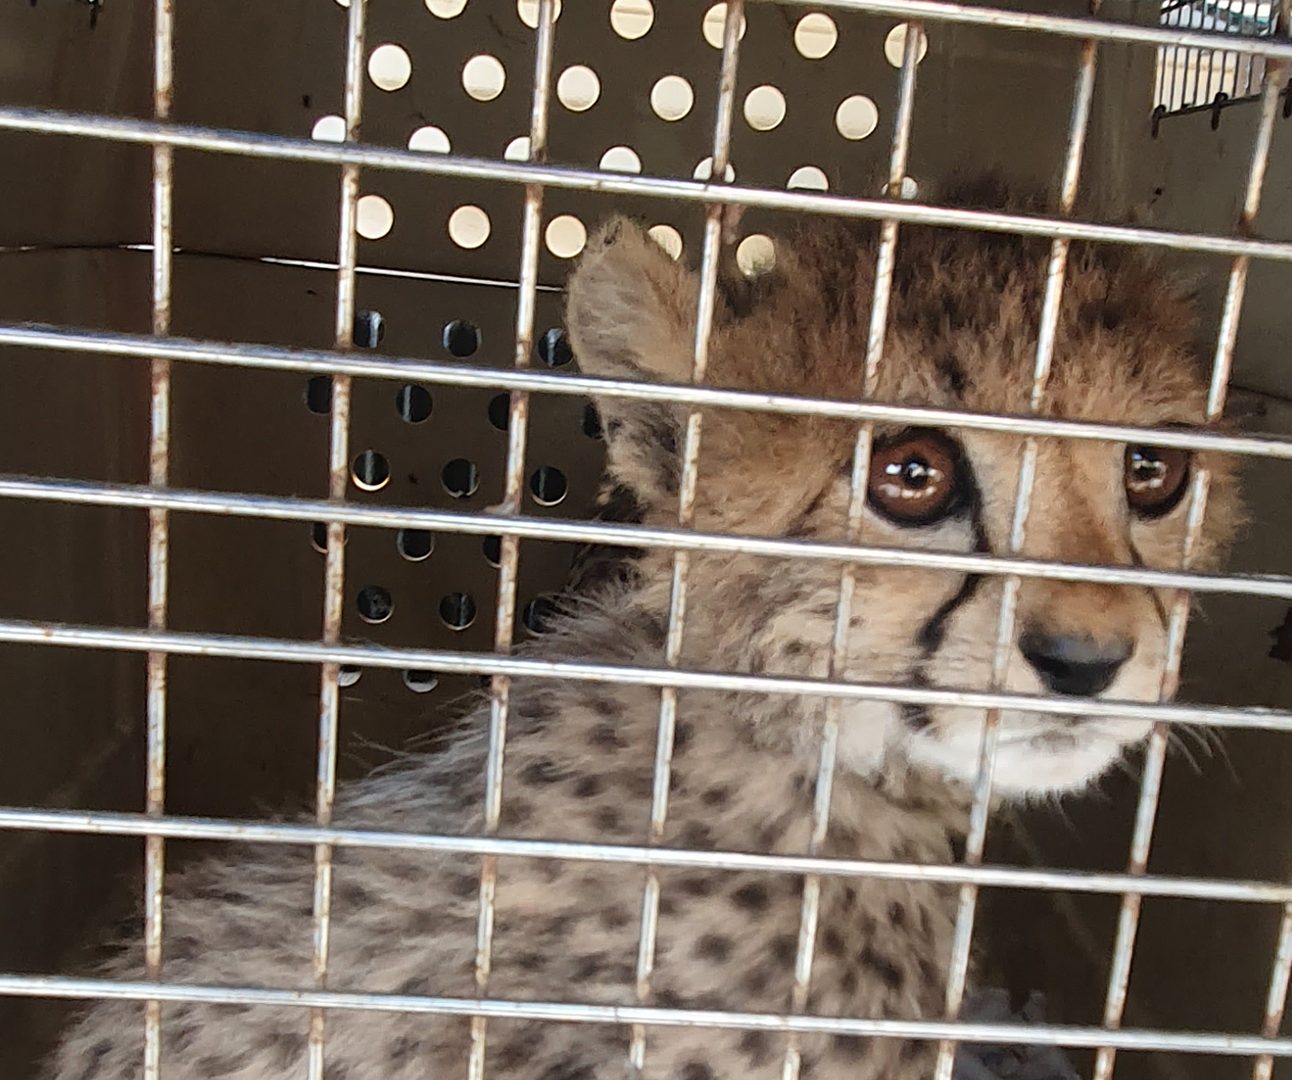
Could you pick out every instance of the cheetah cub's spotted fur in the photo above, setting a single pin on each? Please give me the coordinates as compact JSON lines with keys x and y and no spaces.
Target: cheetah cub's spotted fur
{"x":962,"y":333}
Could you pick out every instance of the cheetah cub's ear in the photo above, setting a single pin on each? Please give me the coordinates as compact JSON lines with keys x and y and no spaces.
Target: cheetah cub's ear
{"x":630,"y":312}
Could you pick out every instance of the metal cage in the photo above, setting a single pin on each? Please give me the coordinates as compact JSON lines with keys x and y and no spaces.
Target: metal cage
{"x":315,"y":225}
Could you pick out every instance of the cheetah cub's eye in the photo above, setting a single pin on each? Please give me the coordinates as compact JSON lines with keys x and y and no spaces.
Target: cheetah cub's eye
{"x":916,"y":478}
{"x":1155,"y":479}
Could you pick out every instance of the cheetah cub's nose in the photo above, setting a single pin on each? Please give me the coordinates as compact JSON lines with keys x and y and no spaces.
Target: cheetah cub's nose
{"x":1073,"y":663}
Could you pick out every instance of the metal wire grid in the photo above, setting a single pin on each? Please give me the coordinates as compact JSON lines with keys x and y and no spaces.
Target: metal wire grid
{"x":159,"y":499}
{"x":1190,"y":78}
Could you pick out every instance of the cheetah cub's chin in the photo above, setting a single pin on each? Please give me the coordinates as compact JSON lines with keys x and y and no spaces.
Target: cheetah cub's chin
{"x":962,"y":334}
{"x":579,"y":758}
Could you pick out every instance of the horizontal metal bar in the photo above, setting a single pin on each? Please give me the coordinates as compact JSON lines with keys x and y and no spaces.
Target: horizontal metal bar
{"x":57,"y":986}
{"x":274,"y":358}
{"x":468,"y":663}
{"x":1064,"y":26}
{"x":290,"y":508}
{"x":281,"y":148}
{"x":106,"y":823}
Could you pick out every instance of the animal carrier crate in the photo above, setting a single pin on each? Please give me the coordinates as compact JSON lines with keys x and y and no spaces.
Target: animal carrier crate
{"x":296,"y":458}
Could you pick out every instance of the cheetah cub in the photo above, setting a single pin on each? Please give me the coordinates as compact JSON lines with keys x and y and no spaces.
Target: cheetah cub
{"x":962,"y":333}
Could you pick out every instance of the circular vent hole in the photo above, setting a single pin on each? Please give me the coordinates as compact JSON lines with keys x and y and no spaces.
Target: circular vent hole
{"x":389,"y":67}
{"x":715,"y":20}
{"x":764,"y":108}
{"x":668,"y":238}
{"x":815,"y":36}
{"x":578,"y":88}
{"x":632,"y":19}
{"x":548,"y":485}
{"x":755,"y":255}
{"x":348,"y":675}
{"x":538,"y":614}
{"x":446,"y":9}
{"x":517,"y":149}
{"x":483,"y":77}
{"x":671,"y":98}
{"x":704,"y":171}
{"x":621,"y":159}
{"x":554,"y":348}
{"x":430,"y":140}
{"x":461,"y":338}
{"x":370,"y":470}
{"x":500,"y":411}
{"x":461,"y":478}
{"x":591,"y":421}
{"x":857,"y":117}
{"x":318,"y":394}
{"x":375,"y":217}
{"x":458,"y":610}
{"x":808,"y":178}
{"x":375,"y":604}
{"x":895,"y":44}
{"x":318,"y":537}
{"x":565,"y":236}
{"x":491,"y":546}
{"x":413,"y":403}
{"x":369,"y":329}
{"x":529,"y":13}
{"x":420,"y":682}
{"x":469,"y":227}
{"x":414,"y":544}
{"x":329,"y":129}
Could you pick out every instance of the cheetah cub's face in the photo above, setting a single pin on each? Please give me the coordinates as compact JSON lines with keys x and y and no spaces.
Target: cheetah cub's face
{"x":962,"y":333}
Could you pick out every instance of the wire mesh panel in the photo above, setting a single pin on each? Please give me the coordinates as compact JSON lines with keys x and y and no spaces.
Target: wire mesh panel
{"x":335,"y":236}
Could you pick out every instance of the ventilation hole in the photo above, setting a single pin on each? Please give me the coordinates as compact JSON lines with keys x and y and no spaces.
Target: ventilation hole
{"x":764,"y":108}
{"x":538,"y":614}
{"x":909,"y":189}
{"x":483,"y":77}
{"x":370,"y":471}
{"x":704,"y":171}
{"x":895,"y":44}
{"x":461,"y":338}
{"x":548,"y":486}
{"x":492,"y":548}
{"x":668,"y":238}
{"x":500,"y":411}
{"x":565,"y":236}
{"x":389,"y":67}
{"x":375,"y":217}
{"x":856,"y":117}
{"x":755,"y":255}
{"x":517,"y":149}
{"x":430,"y":140}
{"x":414,"y":544}
{"x":458,"y":610}
{"x":815,"y":36}
{"x":554,"y":348}
{"x":318,"y":537}
{"x":413,"y":403}
{"x":528,"y":11}
{"x":632,"y":19}
{"x":446,"y":9}
{"x":369,"y":329}
{"x":461,"y":478}
{"x":578,"y":88}
{"x":621,"y":159}
{"x":348,"y":674}
{"x":672,"y":97}
{"x":591,"y":421}
{"x":808,"y":178}
{"x":329,"y":129}
{"x":374,"y":604}
{"x":714,"y":21}
{"x":318,"y":394}
{"x":420,"y":682}
{"x":469,"y":227}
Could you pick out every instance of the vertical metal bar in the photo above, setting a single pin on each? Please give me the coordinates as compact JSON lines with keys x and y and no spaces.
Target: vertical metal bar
{"x":885,"y":264}
{"x":706,"y":304}
{"x":1277,"y":997}
{"x":1155,"y":758}
{"x":1056,"y":273}
{"x":334,"y":574}
{"x":158,"y":521}
{"x":517,"y":430}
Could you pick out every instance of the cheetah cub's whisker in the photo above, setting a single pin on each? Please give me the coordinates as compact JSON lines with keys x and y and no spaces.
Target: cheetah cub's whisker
{"x":963,"y":329}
